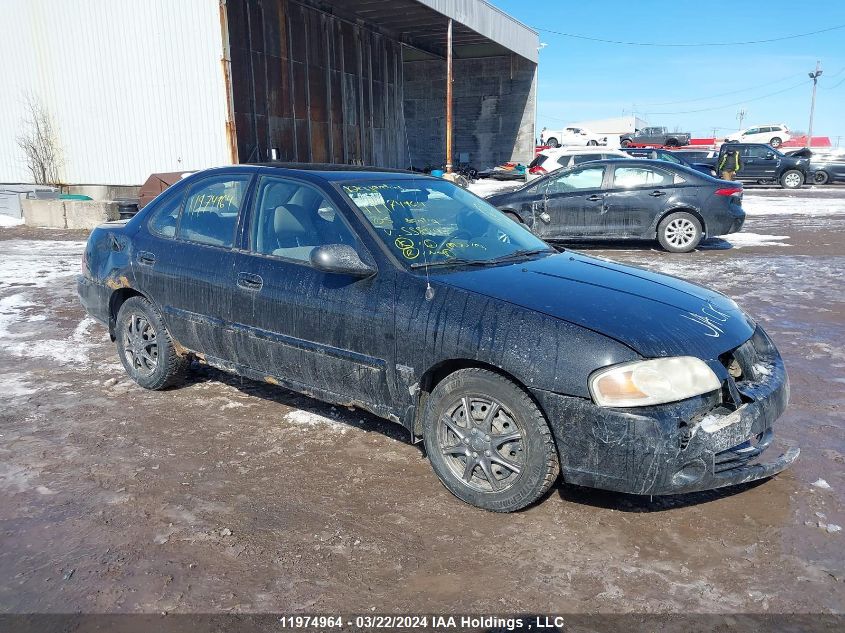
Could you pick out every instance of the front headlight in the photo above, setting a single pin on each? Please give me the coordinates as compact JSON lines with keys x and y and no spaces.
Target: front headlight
{"x":655,"y":381}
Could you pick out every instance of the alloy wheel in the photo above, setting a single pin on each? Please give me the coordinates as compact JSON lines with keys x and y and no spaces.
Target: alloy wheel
{"x":140,"y":344}
{"x":792,"y":180}
{"x":483,"y":444}
{"x":680,"y":232}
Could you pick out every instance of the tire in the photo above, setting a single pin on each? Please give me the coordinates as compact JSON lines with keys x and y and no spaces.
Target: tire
{"x":821,"y":178}
{"x":504,"y":475}
{"x":679,"y":232}
{"x":626,"y":142}
{"x":552,"y":142}
{"x":592,"y":143}
{"x":791,"y":179}
{"x":513,"y":216}
{"x":776,"y":142}
{"x":672,"y":142}
{"x":145,"y":346}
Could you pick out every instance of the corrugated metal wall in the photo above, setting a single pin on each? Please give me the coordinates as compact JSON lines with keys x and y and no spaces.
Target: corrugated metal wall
{"x":134,"y":86}
{"x":313,"y":87}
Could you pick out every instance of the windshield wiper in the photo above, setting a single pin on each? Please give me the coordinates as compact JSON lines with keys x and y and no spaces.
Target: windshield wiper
{"x":526,"y":252}
{"x":457,"y":261}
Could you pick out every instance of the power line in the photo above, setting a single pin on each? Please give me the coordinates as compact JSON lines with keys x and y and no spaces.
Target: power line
{"x":723,"y":94}
{"x":838,"y":83}
{"x":689,"y":44}
{"x":730,"y":105}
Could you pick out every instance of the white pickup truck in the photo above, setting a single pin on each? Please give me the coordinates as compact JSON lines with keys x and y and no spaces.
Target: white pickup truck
{"x":569,"y":136}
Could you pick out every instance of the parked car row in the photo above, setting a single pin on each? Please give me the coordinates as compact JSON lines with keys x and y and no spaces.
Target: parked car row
{"x":407,"y":296}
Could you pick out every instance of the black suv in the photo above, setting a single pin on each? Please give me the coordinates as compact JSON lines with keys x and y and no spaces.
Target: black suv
{"x":762,"y":163}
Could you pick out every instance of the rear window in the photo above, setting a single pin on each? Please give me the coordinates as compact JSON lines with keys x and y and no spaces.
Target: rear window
{"x":538,"y":161}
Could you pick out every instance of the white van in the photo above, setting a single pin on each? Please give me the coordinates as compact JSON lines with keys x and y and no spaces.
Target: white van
{"x":774,"y":135}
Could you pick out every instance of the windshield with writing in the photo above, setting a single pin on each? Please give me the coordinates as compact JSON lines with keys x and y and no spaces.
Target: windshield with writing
{"x":426,"y":221}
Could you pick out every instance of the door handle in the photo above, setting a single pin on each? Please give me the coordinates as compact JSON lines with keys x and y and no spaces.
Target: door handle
{"x":595,"y":197}
{"x":146,"y":258}
{"x":657,"y":194}
{"x":249,"y":281}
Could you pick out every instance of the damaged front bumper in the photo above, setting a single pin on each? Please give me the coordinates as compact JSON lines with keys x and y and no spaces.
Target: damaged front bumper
{"x":701,"y":443}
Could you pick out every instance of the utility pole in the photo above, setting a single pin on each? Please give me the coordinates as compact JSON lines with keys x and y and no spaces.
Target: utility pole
{"x":815,"y":77}
{"x":449,"y":97}
{"x":741,"y":117}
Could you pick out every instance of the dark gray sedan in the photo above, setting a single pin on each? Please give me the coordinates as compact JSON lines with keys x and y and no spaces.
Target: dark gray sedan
{"x":627,"y":199}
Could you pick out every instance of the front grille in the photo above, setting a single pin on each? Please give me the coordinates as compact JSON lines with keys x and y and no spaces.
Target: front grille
{"x":742,"y":454}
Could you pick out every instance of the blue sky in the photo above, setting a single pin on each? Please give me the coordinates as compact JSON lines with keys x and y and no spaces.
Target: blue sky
{"x":588,"y":80}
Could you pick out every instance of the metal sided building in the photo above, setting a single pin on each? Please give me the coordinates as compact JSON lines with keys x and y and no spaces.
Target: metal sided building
{"x":142,"y":86}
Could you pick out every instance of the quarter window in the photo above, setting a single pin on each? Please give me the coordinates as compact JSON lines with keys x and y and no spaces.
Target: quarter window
{"x":291,"y":220}
{"x":164,"y":220}
{"x":211,"y":210}
{"x":586,"y":178}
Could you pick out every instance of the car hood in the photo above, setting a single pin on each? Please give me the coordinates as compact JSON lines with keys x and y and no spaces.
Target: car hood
{"x":655,"y":315}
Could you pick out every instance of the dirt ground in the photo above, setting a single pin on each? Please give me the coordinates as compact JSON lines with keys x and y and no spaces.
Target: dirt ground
{"x":225,"y":495}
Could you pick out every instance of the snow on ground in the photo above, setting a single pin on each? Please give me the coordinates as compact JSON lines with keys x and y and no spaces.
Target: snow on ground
{"x":8,"y":220}
{"x":788,"y":205}
{"x":26,"y":267}
{"x":36,"y":263}
{"x":740,"y":240}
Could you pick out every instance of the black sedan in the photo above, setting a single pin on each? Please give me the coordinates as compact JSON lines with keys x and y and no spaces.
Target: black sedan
{"x":692,"y":159}
{"x":627,"y":199}
{"x":409,"y":297}
{"x":827,"y":168}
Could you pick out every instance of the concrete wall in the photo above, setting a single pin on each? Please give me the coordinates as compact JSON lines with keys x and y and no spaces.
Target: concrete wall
{"x":494,"y":103}
{"x":68,"y":214}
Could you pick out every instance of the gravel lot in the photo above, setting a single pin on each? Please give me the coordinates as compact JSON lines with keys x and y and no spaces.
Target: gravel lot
{"x":226,"y":495}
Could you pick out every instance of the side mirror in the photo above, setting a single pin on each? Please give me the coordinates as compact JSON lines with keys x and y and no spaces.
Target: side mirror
{"x":340,"y":259}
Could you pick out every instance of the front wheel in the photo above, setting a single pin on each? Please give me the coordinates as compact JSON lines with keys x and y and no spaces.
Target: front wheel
{"x":679,"y":232}
{"x":775,"y":142}
{"x":488,"y":442}
{"x":626,"y":142}
{"x":592,"y":143}
{"x":145,"y":347}
{"x":792,"y":179}
{"x":672,"y":142}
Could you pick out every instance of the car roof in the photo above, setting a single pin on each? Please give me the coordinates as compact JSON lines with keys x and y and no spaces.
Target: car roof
{"x":581,"y":149}
{"x":330,"y":172}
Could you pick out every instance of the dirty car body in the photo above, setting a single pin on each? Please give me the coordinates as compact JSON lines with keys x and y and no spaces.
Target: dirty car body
{"x":623,"y":199}
{"x":420,"y":293}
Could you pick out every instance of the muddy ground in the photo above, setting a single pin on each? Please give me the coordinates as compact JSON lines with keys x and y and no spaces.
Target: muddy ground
{"x":225,"y":495}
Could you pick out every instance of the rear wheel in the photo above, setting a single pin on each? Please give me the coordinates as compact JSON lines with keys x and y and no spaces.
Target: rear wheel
{"x":775,"y":142}
{"x":145,"y":347}
{"x":792,"y":179}
{"x":552,"y":142}
{"x":626,"y":142}
{"x":679,"y":232}
{"x":488,"y":442}
{"x":592,"y":143}
{"x":821,"y":178}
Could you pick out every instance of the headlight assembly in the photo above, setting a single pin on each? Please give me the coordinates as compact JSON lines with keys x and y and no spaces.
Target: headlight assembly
{"x":655,"y":381}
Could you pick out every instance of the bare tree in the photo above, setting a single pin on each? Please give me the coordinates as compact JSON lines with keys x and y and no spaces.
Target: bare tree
{"x":40,"y":144}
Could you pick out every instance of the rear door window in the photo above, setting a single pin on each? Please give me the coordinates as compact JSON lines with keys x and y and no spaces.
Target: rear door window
{"x":578,"y":180}
{"x":636,"y":177}
{"x":585,"y":158}
{"x":211,"y":210}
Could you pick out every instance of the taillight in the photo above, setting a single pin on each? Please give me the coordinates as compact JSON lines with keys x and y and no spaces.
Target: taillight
{"x":729,"y":191}
{"x":537,"y":170}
